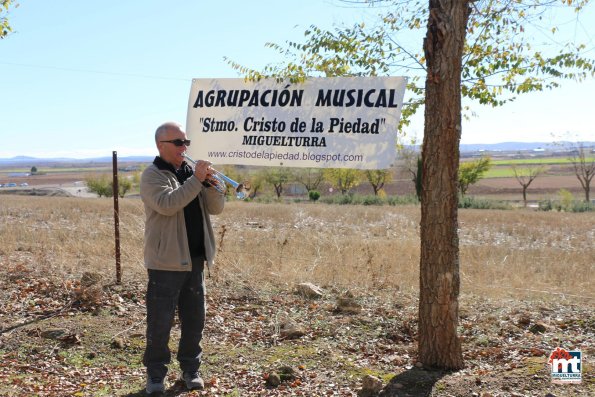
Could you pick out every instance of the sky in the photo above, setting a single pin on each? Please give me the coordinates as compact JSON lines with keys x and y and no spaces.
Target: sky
{"x":83,"y":78}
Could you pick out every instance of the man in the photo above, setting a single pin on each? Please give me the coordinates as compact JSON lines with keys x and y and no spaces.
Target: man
{"x":179,"y":239}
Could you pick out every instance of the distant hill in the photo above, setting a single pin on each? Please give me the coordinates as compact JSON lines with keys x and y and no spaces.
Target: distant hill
{"x":18,"y":159}
{"x":519,"y":146}
{"x":465,"y":148}
{"x":515,"y":146}
{"x":37,"y":161}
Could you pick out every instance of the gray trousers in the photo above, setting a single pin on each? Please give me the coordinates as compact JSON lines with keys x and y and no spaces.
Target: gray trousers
{"x":166,"y":292}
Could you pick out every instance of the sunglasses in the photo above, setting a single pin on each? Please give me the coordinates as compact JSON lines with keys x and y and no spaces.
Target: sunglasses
{"x":179,"y":142}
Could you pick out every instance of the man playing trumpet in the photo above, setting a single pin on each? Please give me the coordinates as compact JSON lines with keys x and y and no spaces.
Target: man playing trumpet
{"x":179,"y":239}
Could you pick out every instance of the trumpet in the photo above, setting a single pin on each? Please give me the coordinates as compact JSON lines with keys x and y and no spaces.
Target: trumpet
{"x":218,"y":180}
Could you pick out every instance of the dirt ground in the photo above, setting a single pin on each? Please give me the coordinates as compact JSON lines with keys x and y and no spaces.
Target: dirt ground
{"x":51,"y":179}
{"x":75,"y":338}
{"x":60,"y":183}
{"x":542,"y":186}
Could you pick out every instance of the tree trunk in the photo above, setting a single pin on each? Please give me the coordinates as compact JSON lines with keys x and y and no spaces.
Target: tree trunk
{"x":439,"y":345}
{"x":525,"y":195}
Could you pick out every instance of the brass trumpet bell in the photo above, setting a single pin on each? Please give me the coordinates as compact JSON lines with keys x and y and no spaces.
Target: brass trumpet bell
{"x":219,"y":181}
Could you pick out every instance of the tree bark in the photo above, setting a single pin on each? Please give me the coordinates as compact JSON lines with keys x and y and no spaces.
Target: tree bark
{"x":439,"y":344}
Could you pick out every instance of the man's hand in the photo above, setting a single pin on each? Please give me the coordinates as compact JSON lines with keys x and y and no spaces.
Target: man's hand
{"x":201,"y":170}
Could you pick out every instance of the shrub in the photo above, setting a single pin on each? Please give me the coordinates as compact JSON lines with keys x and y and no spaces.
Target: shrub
{"x":266,"y":199}
{"x":481,"y":204}
{"x":545,"y":205}
{"x":566,"y":199}
{"x":345,"y":199}
{"x":582,"y":206}
{"x":573,"y":206}
{"x":357,"y":199}
{"x":339,"y":199}
{"x":124,"y":185}
{"x":402,"y":200}
{"x":314,"y":195}
{"x":101,"y":185}
{"x":372,"y":200}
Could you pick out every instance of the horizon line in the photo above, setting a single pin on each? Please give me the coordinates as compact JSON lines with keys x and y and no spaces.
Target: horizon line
{"x":109,"y":153}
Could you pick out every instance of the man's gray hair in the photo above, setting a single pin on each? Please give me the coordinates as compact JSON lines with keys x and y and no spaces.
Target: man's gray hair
{"x":163,"y":128}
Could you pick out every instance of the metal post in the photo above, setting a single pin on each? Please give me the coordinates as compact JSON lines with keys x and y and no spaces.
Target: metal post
{"x":116,"y":190}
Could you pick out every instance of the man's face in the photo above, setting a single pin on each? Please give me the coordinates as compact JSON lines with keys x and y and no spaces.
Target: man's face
{"x":168,"y":151}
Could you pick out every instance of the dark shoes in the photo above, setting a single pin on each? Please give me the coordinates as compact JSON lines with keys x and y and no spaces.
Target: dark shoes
{"x":155,"y":386}
{"x":193,"y":380}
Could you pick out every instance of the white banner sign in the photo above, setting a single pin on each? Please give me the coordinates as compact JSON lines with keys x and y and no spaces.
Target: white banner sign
{"x":339,"y":122}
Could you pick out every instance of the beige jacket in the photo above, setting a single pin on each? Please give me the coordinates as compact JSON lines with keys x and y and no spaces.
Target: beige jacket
{"x":166,"y":242}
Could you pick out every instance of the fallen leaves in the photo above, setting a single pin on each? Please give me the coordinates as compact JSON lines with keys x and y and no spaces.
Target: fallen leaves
{"x":248,"y":349}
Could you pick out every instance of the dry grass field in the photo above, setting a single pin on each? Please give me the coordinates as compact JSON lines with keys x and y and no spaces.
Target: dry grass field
{"x":518,"y":268}
{"x":503,"y":253}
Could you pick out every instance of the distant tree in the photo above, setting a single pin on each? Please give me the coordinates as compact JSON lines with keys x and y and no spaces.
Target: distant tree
{"x":232,"y":172}
{"x":584,"y":167}
{"x":412,"y":163}
{"x":256,"y":182}
{"x":103,"y":185}
{"x":418,"y":179}
{"x":5,"y":28}
{"x":34,"y":170}
{"x":343,"y":179}
{"x":124,"y":186}
{"x":525,"y":176}
{"x":136,"y":175}
{"x":472,"y":171}
{"x":278,"y":177}
{"x":100,"y":185}
{"x":378,"y":178}
{"x":310,"y":178}
{"x":414,"y":167}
